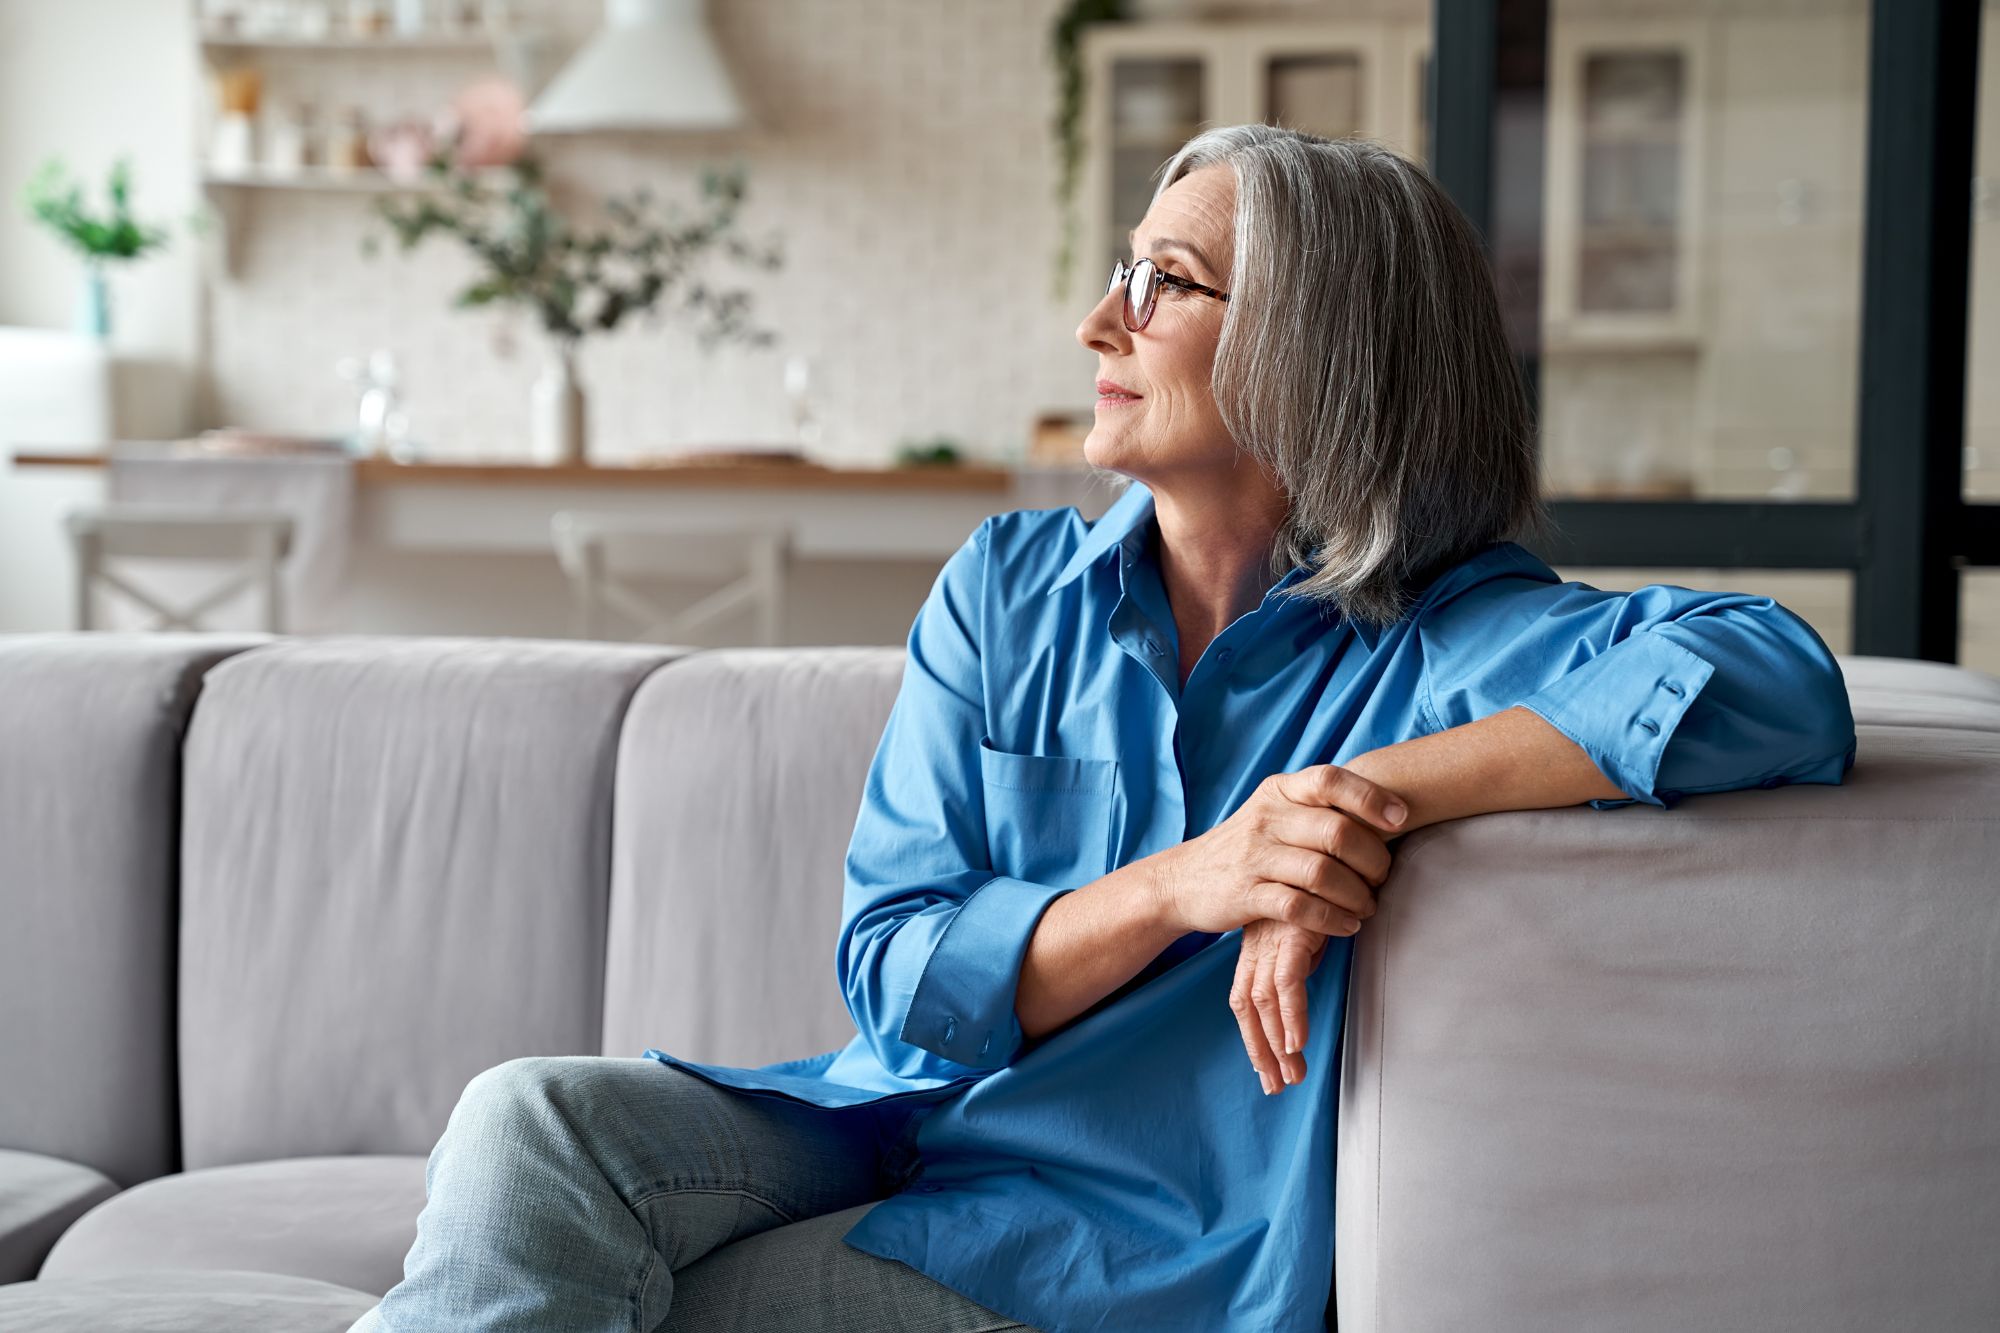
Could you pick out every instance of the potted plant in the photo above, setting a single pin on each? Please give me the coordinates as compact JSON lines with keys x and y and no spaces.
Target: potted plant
{"x":115,"y":237}
{"x":577,"y":281}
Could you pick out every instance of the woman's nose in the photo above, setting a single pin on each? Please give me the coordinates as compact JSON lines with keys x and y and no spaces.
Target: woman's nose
{"x":1103,"y":329}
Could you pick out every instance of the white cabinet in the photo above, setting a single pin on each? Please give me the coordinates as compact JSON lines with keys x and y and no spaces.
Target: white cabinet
{"x":1153,"y":86}
{"x":1625,"y":179}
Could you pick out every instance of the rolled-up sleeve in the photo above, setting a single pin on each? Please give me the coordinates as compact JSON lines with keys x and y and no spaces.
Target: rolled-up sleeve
{"x":931,"y":938}
{"x":1669,"y":690}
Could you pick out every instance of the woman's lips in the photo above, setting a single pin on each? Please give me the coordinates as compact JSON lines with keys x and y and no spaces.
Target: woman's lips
{"x":1105,"y":400}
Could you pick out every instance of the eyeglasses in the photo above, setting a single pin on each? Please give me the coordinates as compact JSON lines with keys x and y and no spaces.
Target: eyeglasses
{"x":1142,"y":289}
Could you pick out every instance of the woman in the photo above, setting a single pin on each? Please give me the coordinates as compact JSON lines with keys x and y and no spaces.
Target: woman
{"x":1133,"y":801}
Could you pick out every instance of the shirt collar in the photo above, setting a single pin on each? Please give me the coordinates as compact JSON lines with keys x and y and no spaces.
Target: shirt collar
{"x":1127,"y":514}
{"x":1130,"y":511}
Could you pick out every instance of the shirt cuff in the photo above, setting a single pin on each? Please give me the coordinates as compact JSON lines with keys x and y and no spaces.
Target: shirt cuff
{"x":1622,"y":707}
{"x":963,"y":1006}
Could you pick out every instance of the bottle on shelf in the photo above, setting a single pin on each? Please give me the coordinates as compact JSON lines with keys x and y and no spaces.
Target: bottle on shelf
{"x":347,"y":142}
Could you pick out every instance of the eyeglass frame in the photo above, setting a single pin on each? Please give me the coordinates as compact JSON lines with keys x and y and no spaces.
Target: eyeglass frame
{"x":1123,"y":273}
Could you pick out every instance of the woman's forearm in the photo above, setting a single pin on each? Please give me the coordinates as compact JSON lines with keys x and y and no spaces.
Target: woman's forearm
{"x":1088,"y":944}
{"x":1512,"y":760}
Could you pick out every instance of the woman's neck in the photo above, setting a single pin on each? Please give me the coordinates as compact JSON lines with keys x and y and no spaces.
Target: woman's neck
{"x":1215,"y":559}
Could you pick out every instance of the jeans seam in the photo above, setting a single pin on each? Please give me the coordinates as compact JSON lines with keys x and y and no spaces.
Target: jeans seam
{"x":638,"y":1296}
{"x":662,"y":1191}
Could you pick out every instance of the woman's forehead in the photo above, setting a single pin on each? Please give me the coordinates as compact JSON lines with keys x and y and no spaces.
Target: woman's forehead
{"x":1196,"y":212}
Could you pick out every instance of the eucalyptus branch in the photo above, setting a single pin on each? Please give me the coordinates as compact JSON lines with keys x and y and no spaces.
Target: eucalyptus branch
{"x":576,"y":281}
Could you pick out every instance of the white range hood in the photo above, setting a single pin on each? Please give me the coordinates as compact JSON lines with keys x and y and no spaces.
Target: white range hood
{"x":652,"y":66}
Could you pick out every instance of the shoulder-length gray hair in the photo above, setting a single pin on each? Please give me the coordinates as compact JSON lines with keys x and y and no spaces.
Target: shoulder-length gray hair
{"x":1363,"y":362}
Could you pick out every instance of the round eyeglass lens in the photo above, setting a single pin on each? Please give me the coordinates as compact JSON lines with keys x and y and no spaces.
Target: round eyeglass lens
{"x":1141,"y":287}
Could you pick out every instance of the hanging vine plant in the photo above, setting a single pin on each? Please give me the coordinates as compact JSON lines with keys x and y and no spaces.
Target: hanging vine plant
{"x":1066,"y":50}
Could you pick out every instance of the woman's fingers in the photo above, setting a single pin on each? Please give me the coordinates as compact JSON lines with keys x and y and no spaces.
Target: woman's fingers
{"x":1334,"y":833}
{"x":1292,"y":906}
{"x":1262,"y":1058}
{"x":1295,"y":959}
{"x":1264,"y":996}
{"x":1343,"y":789}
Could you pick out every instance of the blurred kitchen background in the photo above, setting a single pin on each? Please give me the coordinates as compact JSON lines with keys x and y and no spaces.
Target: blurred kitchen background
{"x":837,"y":330}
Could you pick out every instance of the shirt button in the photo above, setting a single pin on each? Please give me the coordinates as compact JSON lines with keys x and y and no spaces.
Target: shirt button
{"x":928,"y":1188}
{"x":1650,"y":725}
{"x":1769,"y":783}
{"x":1671,"y":688}
{"x":950,"y":1028}
{"x":1225,"y":654}
{"x":1153,"y":647}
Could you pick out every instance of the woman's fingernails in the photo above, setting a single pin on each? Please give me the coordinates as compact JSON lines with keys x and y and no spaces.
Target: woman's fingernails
{"x":1395,"y":812}
{"x":1265,"y":1079}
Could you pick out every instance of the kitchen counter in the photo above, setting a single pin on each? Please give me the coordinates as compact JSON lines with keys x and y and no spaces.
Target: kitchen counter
{"x":665,"y":472}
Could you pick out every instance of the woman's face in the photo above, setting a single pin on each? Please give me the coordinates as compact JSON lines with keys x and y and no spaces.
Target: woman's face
{"x":1171,"y":427}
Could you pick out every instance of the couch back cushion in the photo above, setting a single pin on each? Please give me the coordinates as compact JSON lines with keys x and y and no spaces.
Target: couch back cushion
{"x":739,"y":778}
{"x":395,"y":869}
{"x":1723,"y":1065}
{"x":90,"y":743}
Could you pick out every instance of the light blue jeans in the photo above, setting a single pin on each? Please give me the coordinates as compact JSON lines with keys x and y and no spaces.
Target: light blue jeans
{"x":574,"y":1193}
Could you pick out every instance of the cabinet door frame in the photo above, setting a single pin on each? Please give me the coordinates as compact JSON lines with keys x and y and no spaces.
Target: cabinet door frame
{"x":1564,"y":323}
{"x":1231,"y":55}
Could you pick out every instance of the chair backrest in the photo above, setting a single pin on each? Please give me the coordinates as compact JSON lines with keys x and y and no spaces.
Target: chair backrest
{"x":256,"y":540}
{"x":603,"y":553}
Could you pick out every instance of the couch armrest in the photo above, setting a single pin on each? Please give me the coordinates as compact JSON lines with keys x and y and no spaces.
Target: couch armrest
{"x":1731,"y":1065}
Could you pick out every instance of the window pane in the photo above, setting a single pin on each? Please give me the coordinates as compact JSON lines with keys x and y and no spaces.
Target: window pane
{"x":1156,"y":106}
{"x":1320,"y":94}
{"x":1822,"y":598}
{"x":1979,"y":620}
{"x":1701,"y":276}
{"x":1982,"y":398}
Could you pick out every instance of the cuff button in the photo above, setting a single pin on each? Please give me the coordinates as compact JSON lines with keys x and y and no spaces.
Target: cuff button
{"x":1650,"y":725}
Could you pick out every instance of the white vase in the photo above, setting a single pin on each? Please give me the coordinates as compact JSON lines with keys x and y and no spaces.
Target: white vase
{"x":556,"y":409}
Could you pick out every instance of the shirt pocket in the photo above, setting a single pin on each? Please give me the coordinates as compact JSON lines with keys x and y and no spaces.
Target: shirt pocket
{"x":1048,"y":816}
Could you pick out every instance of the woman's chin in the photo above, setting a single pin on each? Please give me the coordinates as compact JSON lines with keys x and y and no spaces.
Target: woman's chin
{"x":1110,"y":448}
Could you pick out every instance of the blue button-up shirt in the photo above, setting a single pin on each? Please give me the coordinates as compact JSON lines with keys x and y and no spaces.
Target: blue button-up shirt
{"x":1127,"y":1170}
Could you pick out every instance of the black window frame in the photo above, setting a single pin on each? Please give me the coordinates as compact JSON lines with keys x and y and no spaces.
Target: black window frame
{"x":1909,"y":531}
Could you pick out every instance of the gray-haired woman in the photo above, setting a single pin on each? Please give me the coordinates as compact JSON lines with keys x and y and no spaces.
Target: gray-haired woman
{"x":1134,"y":799}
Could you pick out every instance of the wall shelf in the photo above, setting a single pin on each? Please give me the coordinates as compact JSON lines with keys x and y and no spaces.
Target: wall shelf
{"x":428,"y":43}
{"x":365,"y":180}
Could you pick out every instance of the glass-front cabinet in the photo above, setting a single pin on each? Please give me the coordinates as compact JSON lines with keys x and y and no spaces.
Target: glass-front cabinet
{"x":1152,"y":87}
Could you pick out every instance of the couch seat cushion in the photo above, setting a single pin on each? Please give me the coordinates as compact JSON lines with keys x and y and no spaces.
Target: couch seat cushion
{"x":173,"y":1302}
{"x":344,"y":1220}
{"x":39,"y":1197}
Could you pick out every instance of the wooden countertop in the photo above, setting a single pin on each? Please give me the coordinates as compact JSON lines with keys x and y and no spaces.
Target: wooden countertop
{"x":666,"y":472}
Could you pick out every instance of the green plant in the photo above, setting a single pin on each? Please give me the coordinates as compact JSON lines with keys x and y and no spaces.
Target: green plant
{"x":942,"y":451}
{"x":56,"y":201}
{"x":578,"y":281}
{"x":1065,"y":49}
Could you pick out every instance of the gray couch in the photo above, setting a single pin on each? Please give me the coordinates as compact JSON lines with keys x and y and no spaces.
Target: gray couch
{"x":267,"y":904}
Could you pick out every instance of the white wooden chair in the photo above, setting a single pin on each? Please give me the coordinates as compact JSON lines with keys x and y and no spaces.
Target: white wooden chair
{"x":259,"y":540}
{"x":601,"y":552}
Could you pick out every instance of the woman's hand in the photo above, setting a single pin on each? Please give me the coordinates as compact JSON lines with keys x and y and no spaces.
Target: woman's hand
{"x":1297,"y":862}
{"x":1269,"y":997}
{"x":1306,"y":849}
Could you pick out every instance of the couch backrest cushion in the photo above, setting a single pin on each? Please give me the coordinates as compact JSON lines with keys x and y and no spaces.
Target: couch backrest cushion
{"x":739,"y":778}
{"x":90,"y":742}
{"x":395,"y":870}
{"x":1733,"y":1063}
